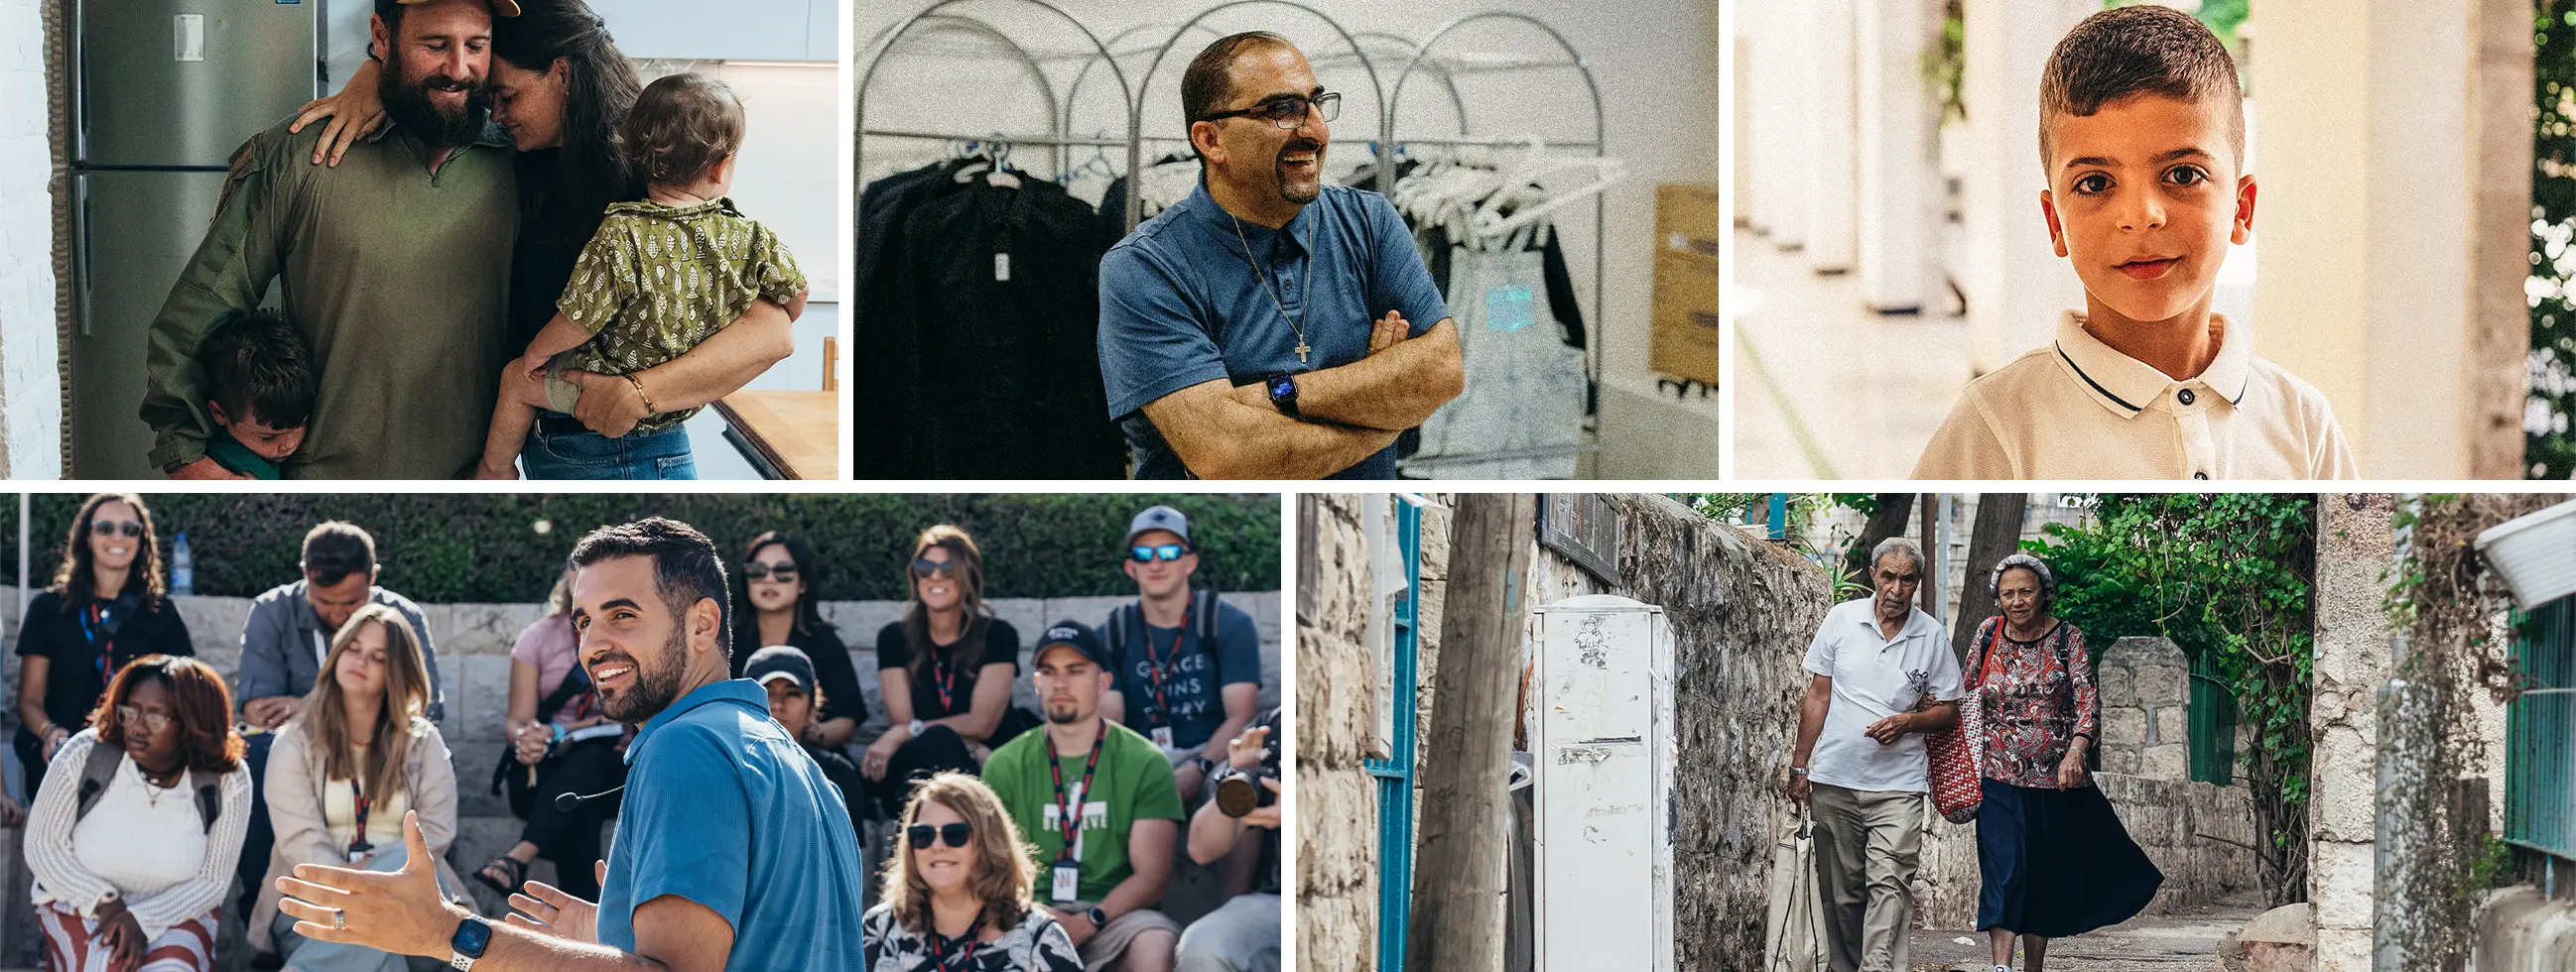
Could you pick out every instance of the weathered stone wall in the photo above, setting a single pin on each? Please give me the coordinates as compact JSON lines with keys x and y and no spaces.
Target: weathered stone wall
{"x":1337,"y":821}
{"x":2519,"y":929}
{"x":31,"y":403}
{"x":2144,"y":684}
{"x":2199,"y":835}
{"x":2355,"y":543}
{"x":1742,"y":611}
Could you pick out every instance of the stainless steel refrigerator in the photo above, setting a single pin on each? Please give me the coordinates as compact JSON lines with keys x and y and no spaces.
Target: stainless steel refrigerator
{"x":162,"y":92}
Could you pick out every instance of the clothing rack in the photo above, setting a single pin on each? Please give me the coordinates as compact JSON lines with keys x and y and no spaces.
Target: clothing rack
{"x":1059,"y":106}
{"x":1391,"y":141}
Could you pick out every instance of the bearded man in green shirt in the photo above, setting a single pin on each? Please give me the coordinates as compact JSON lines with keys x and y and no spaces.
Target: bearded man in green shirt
{"x":396,"y":266}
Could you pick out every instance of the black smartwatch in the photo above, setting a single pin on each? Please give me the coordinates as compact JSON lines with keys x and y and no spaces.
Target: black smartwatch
{"x":1283,"y":394}
{"x":1099,"y":919}
{"x":472,"y":936}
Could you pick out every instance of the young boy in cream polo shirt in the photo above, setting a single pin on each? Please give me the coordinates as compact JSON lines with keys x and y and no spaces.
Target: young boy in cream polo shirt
{"x":2142,"y":134}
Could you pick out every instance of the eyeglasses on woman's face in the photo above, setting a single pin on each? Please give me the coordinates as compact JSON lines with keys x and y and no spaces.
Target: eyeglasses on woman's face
{"x":152,"y":723}
{"x":925,"y":835}
{"x":107,"y":528}
{"x":783,"y":572}
{"x":925,"y":567}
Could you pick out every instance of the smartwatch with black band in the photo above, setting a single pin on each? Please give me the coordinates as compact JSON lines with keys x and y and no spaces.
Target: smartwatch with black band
{"x":1283,"y":394}
{"x":1099,"y":919}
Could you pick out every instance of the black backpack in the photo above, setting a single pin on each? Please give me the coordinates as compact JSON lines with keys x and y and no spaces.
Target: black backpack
{"x":100,"y":768}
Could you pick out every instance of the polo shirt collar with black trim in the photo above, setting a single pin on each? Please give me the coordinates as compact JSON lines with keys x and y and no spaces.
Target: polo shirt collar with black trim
{"x":2126,"y":386}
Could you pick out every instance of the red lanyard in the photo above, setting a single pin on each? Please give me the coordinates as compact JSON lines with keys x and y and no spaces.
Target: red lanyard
{"x":961,"y":949}
{"x":1154,"y":665}
{"x":1069,"y":811}
{"x":943,"y":677}
{"x":106,"y":652}
{"x":358,"y":841}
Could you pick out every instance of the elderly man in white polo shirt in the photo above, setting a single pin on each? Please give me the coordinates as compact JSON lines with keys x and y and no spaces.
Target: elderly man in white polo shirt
{"x":1882,"y":673}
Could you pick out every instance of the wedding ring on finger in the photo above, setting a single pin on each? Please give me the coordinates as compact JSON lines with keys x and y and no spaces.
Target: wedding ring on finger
{"x":339,"y":919}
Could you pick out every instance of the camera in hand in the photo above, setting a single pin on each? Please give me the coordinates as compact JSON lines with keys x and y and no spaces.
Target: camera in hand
{"x":1239,"y":790}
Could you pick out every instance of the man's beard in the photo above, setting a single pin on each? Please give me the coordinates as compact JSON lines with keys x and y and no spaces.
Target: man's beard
{"x":411,"y":110}
{"x":1071,"y":714}
{"x":1292,"y":192}
{"x":653,"y":691}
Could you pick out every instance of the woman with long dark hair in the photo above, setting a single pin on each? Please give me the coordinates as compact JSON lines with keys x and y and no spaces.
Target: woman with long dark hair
{"x":774,"y":604}
{"x":106,"y":608}
{"x":2054,"y":857}
{"x":945,"y":670}
{"x":559,"y":86}
{"x":134,"y":835}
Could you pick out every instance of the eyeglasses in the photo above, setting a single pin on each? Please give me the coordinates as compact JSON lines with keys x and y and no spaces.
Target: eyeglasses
{"x":103,"y":528}
{"x":1147,"y":555}
{"x":925,"y":567}
{"x":1288,"y":112}
{"x":151,"y":722}
{"x":782,"y":573}
{"x":954,"y":835}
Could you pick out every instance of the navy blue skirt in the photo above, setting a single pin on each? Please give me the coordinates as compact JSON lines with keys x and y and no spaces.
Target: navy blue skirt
{"x":2057,"y":863}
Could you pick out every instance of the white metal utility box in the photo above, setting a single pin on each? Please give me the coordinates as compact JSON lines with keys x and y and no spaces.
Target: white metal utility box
{"x":1605,"y":751}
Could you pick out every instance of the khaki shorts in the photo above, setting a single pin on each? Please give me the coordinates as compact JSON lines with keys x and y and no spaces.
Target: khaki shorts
{"x":1104,"y":950}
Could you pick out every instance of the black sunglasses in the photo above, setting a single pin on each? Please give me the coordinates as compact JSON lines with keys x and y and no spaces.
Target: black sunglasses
{"x":782,"y":573}
{"x":954,"y":835}
{"x":925,"y":567}
{"x":1286,"y":113}
{"x":108,"y":527}
{"x":1167,"y":551}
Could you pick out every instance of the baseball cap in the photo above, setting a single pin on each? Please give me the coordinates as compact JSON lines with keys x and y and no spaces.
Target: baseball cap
{"x":500,"y":8}
{"x":1073,"y":634}
{"x":1159,"y":518}
{"x":780,"y":661}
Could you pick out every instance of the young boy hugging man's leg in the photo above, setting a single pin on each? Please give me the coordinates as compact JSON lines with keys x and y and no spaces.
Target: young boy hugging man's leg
{"x":260,"y":389}
{"x":2142,"y":135}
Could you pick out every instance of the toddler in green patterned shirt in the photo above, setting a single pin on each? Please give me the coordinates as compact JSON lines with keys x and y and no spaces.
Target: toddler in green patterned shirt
{"x":662,"y":274}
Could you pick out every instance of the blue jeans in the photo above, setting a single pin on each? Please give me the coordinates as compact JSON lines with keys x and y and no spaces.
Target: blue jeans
{"x":585,"y":454}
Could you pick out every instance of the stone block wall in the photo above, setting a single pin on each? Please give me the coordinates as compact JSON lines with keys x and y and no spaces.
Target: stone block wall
{"x":30,"y":389}
{"x":1337,"y":820}
{"x":2145,"y":687}
{"x":2355,"y":542}
{"x":1742,"y":611}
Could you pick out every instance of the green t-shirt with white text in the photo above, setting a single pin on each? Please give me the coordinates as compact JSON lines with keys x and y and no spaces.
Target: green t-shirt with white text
{"x":1133,"y":782}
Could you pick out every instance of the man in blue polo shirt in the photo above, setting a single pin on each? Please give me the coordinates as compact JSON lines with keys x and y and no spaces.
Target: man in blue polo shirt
{"x":733,"y":850}
{"x":1270,"y":326}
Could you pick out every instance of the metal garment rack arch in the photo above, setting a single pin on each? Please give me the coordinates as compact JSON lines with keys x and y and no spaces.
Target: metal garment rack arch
{"x":1600,"y":211}
{"x":1145,"y":83}
{"x":1074,"y":89}
{"x":1054,"y":137}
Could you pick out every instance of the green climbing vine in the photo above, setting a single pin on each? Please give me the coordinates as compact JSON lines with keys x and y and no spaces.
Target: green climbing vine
{"x":2227,"y":576}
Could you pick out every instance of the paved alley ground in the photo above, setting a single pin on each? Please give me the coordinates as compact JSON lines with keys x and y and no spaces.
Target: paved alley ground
{"x":2161,"y":943}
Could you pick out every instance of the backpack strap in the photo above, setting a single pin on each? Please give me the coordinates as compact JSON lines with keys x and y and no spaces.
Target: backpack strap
{"x":1207,"y":608}
{"x":210,"y":801}
{"x":96,"y":771}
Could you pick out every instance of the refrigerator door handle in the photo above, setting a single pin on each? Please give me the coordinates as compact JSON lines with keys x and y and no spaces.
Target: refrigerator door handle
{"x":81,"y":253}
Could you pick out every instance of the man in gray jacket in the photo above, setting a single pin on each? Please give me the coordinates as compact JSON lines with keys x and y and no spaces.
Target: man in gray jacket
{"x":282,"y":648}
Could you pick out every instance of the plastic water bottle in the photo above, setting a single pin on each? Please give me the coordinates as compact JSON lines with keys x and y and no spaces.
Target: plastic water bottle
{"x":183,"y":569}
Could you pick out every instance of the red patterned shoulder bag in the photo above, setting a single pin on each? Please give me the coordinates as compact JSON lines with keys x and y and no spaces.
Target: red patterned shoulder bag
{"x":1958,"y":753}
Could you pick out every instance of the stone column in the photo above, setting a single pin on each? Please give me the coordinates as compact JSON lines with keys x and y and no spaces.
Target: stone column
{"x":1780,"y":63}
{"x":31,"y":402}
{"x":2396,"y":225}
{"x":1337,"y":858}
{"x":2015,"y":281}
{"x":2354,"y":543}
{"x":1897,"y":171}
{"x":2145,"y":688}
{"x":1831,"y":170}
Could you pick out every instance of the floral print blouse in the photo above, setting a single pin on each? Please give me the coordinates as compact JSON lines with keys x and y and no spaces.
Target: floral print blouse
{"x":2036,"y":697}
{"x":1037,"y":945}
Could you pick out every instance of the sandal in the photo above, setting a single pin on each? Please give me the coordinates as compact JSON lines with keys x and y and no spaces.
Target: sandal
{"x":518,"y":874}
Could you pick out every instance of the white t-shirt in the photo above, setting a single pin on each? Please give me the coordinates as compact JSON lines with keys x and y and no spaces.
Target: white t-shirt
{"x":1875,"y":678}
{"x":2080,"y":409}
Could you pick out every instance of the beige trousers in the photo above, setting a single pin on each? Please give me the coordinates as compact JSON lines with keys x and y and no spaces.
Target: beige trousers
{"x":1867,"y":847}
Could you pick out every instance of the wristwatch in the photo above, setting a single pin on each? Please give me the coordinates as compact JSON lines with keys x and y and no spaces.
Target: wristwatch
{"x":1283,"y":394}
{"x":1099,"y":919}
{"x":914,"y":730}
{"x":471,"y":938}
{"x":1797,"y":771}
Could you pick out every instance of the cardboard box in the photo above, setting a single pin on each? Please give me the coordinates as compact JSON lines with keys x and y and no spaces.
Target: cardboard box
{"x":1688,"y":219}
{"x":1687,"y":339}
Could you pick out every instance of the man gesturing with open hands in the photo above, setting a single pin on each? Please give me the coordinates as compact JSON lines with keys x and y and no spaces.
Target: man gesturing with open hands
{"x":733,"y":850}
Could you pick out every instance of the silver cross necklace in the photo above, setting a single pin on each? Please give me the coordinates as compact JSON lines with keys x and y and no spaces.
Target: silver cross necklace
{"x":1294,"y":324}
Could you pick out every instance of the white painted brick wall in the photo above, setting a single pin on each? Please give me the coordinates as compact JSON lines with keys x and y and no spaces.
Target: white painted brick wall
{"x":31,"y":411}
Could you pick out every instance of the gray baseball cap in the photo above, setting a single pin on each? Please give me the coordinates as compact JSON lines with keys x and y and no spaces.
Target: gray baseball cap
{"x":1159,"y":518}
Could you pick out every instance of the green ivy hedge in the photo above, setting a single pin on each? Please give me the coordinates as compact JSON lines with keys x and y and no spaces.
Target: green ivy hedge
{"x":447,"y":548}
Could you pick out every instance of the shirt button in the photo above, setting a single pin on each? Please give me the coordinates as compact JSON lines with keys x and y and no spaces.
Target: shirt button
{"x":2200,"y":475}
{"x":2184,"y":396}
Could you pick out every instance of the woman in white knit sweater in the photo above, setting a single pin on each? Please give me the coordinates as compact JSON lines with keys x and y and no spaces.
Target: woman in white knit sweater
{"x":137,"y":827}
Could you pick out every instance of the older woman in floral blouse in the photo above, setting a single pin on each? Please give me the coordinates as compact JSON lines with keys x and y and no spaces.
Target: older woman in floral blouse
{"x":2055,"y":860}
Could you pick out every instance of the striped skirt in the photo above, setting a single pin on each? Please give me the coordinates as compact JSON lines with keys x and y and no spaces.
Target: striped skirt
{"x":73,"y":944}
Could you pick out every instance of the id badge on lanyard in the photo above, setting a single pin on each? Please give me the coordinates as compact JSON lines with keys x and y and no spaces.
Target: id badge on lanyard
{"x":1163,"y":736}
{"x":1068,"y":881}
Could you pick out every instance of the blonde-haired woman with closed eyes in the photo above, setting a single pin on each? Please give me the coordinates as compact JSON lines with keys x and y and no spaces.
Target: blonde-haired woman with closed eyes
{"x":957,"y":893}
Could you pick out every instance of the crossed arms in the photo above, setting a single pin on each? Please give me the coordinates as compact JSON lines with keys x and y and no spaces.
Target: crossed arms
{"x":1221,"y":431}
